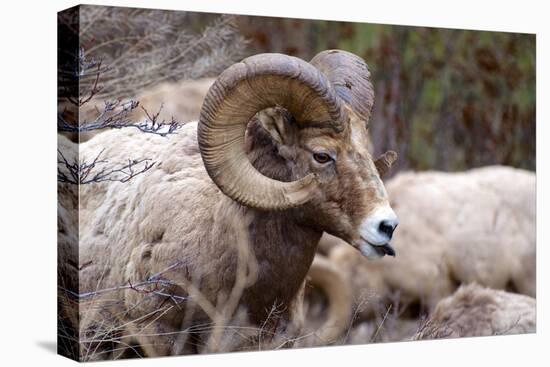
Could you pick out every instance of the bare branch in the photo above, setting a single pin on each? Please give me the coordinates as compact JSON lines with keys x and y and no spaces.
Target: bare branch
{"x":98,"y":170}
{"x":116,"y":115}
{"x":144,"y":47}
{"x":156,"y":281}
{"x":85,"y":65}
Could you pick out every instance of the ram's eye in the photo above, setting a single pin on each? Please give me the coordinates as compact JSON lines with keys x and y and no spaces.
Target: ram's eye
{"x":322,"y":157}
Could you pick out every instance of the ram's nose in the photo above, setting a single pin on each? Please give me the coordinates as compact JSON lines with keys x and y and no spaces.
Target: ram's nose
{"x":378,"y":227}
{"x":387,"y":226}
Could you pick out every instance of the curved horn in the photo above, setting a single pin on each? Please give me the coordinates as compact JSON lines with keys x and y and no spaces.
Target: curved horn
{"x":256,"y":83}
{"x":350,"y":76}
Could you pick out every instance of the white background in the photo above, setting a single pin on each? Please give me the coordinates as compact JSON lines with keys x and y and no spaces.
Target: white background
{"x":28,"y":180}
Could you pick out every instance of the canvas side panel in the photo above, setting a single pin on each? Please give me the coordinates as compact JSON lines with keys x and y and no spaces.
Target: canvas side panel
{"x":67,"y":186}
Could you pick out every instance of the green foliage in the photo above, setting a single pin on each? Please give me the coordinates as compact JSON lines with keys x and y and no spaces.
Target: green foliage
{"x":445,"y":99}
{"x":464,"y":98}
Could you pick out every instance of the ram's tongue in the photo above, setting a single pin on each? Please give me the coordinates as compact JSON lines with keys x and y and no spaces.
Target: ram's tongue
{"x":388,"y":250}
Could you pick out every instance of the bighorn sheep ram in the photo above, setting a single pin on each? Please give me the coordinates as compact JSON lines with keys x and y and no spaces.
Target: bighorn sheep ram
{"x":477,"y":311}
{"x":477,"y":225}
{"x":277,"y":157}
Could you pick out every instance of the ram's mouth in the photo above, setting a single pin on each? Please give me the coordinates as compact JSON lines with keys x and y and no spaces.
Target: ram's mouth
{"x":386,"y":249}
{"x":376,"y":251}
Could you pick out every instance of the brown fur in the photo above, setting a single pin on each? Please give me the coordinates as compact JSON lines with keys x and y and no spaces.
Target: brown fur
{"x":349,"y":188}
{"x":175,"y":213}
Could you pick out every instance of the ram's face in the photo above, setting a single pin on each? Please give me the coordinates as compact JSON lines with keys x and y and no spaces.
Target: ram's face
{"x":323,"y":170}
{"x":350,"y":201}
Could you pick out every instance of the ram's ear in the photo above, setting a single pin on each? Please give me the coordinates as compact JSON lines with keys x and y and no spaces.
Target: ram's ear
{"x":385,"y":161}
{"x":278,"y":123}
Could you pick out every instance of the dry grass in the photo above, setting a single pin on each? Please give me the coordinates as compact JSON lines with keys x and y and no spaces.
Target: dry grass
{"x":144,"y":47}
{"x":101,"y":326}
{"x":107,"y":333}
